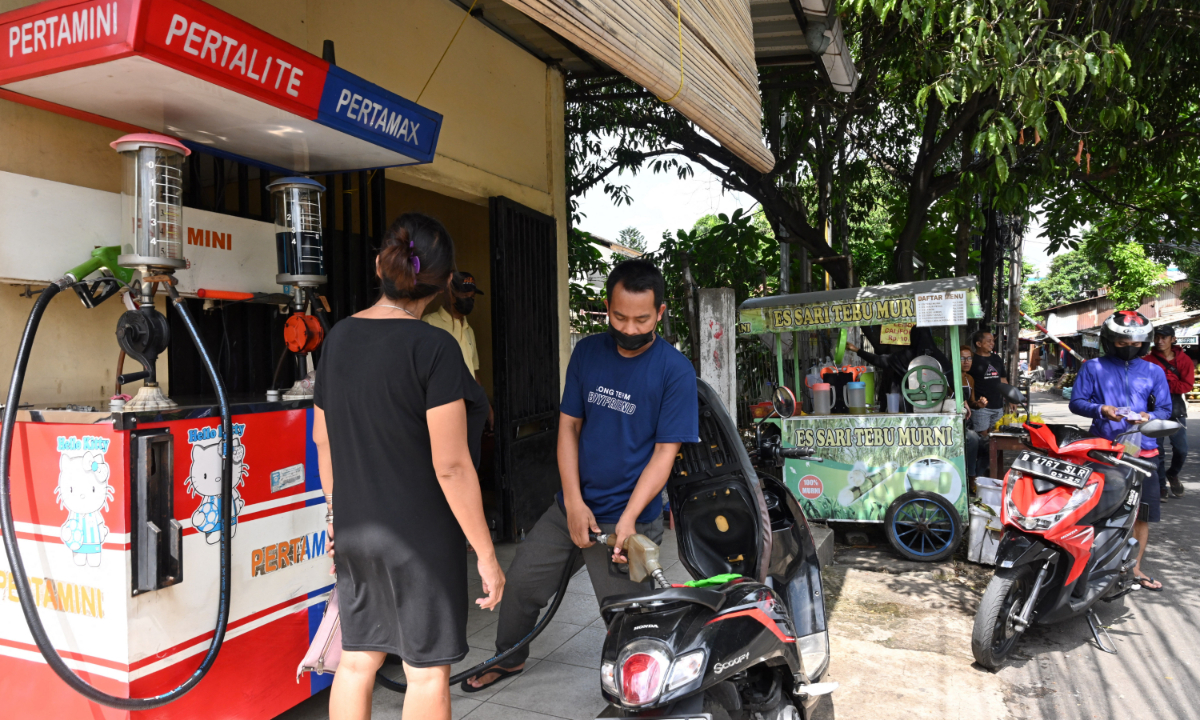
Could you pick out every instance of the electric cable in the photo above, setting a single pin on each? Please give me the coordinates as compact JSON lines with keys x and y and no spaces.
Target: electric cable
{"x":7,"y":527}
{"x":483,"y":667}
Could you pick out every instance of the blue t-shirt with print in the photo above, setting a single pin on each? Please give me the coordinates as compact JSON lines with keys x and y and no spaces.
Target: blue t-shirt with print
{"x":627,"y":405}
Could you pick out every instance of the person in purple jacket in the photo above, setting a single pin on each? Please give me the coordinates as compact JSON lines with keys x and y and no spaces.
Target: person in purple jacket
{"x":1117,"y":391}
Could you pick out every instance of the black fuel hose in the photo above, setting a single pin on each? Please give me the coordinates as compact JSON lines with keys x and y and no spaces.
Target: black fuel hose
{"x":483,"y":667}
{"x":24,"y":593}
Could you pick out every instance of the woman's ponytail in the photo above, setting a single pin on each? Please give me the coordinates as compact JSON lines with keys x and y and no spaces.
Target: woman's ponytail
{"x":416,"y":258}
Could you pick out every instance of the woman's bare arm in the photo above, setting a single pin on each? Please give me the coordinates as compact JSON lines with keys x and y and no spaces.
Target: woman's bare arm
{"x":325,"y":467}
{"x":456,"y":474}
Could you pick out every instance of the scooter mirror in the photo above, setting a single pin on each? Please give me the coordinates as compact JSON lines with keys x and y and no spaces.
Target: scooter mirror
{"x":783,"y":402}
{"x":1011,"y":394}
{"x":1159,"y":428}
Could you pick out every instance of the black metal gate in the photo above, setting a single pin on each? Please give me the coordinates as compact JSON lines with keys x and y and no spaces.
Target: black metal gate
{"x":247,"y":338}
{"x":524,"y":245}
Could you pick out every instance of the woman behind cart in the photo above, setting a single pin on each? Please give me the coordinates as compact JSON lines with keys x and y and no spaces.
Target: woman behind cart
{"x":393,"y":405}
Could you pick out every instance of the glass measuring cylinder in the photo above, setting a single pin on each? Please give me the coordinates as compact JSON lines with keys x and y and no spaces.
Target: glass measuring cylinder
{"x":299,"y":243}
{"x":152,"y":201}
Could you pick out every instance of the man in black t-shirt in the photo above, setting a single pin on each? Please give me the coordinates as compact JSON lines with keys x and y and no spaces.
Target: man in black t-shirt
{"x":988,"y":371}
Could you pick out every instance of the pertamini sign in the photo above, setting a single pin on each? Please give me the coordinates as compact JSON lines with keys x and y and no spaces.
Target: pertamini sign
{"x":850,"y":313}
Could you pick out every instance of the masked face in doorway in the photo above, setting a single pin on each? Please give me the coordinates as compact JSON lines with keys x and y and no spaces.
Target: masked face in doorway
{"x":464,"y":305}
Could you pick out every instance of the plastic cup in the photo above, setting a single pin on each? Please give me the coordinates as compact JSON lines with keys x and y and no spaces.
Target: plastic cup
{"x":893,"y":402}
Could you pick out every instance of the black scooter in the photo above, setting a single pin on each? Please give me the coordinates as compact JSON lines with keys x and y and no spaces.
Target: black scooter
{"x":750,"y":647}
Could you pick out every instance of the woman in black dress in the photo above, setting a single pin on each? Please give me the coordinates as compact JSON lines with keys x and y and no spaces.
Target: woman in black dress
{"x":394,"y":409}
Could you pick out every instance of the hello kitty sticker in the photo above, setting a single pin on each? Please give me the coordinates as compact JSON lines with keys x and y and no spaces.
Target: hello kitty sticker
{"x":204,"y":479}
{"x":83,"y":491}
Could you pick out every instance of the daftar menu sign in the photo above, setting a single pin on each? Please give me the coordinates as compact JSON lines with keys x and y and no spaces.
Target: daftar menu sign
{"x":877,"y":305}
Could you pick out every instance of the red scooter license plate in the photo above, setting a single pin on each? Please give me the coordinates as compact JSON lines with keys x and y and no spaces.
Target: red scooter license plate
{"x":1057,"y":471}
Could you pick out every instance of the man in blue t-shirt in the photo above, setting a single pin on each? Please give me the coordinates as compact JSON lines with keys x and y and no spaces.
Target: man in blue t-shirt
{"x":628,"y":404}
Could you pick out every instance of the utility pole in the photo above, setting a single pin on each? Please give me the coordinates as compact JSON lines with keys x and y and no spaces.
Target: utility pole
{"x":1017,"y":236}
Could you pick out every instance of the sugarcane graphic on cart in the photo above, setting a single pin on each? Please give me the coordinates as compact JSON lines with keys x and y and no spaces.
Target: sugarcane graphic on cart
{"x":204,"y":479}
{"x":871,"y":461}
{"x":83,"y":491}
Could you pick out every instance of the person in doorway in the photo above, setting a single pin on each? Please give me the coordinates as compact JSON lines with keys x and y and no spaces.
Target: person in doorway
{"x":988,"y":371}
{"x":629,"y":403}
{"x":970,"y":437}
{"x":1117,"y":380}
{"x":396,"y":424}
{"x":457,"y":303}
{"x":1181,"y":379}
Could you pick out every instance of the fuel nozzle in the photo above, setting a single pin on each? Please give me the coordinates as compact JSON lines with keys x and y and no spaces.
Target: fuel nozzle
{"x":643,"y":556}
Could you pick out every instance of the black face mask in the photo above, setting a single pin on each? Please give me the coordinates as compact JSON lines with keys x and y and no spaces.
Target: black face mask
{"x":464,"y":306}
{"x":1127,"y":353}
{"x":630,"y":342}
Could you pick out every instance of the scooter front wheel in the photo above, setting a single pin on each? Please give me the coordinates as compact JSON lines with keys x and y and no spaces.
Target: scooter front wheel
{"x":995,"y":633}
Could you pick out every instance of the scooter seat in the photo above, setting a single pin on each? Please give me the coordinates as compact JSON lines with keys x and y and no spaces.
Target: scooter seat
{"x":711,"y":599}
{"x":1117,"y":482}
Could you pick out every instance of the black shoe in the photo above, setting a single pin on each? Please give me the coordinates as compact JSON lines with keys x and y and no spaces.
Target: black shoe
{"x":1163,"y":495}
{"x":1176,"y":485}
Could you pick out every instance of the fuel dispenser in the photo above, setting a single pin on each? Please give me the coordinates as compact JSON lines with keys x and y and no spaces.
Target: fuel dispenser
{"x":152,"y":218}
{"x":300,"y":255}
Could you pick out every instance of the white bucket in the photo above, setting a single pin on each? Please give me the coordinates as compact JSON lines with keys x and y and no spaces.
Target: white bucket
{"x":989,"y":491}
{"x":984,"y":537}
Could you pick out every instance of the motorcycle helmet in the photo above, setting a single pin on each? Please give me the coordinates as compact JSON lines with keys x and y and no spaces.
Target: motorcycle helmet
{"x":1126,"y":325}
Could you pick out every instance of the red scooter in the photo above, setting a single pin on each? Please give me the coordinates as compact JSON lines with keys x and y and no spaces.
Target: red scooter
{"x":1069,"y":505}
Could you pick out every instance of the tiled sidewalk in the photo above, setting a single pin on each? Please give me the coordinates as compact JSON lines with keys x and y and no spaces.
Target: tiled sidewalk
{"x":561,"y":678}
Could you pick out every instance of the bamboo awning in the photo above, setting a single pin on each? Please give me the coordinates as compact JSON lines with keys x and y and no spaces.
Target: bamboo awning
{"x":640,"y":39}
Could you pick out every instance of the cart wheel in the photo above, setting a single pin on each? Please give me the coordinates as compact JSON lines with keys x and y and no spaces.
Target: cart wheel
{"x":923,"y":526}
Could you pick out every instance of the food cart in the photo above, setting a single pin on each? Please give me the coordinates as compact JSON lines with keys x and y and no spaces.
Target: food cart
{"x":903,"y":469}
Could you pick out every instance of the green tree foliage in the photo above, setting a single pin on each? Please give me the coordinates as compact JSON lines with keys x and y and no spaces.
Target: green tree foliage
{"x":1071,"y":275}
{"x":585,"y":260}
{"x":1122,"y":270}
{"x":730,"y":251}
{"x":961,"y":106}
{"x":1132,"y":277}
{"x":632,"y":238}
{"x":1132,"y":174}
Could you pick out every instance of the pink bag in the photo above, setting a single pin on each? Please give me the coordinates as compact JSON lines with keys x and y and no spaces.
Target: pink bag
{"x":326,"y":648}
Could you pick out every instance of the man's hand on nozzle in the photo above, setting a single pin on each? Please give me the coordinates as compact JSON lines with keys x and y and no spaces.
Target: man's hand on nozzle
{"x":579,"y":521}
{"x":626,"y":528}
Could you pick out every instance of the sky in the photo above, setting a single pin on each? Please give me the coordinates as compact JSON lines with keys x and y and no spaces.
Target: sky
{"x":660,"y":202}
{"x":1035,"y":249}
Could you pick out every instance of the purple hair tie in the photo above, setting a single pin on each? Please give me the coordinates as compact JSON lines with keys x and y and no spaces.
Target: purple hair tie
{"x":416,"y":261}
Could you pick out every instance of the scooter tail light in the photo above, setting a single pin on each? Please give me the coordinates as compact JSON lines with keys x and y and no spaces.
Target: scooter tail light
{"x":641,"y":679}
{"x":642,"y":669}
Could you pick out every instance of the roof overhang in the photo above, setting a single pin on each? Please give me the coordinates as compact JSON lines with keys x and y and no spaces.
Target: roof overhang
{"x":187,"y":69}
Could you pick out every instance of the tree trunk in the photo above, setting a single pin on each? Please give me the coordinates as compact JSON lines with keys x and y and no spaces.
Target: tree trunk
{"x":919,"y":195}
{"x":962,"y":234}
{"x":1014,"y":311}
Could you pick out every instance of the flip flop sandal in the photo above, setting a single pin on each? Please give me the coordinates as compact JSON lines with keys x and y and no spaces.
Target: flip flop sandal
{"x":468,"y":687}
{"x":1145,"y":582}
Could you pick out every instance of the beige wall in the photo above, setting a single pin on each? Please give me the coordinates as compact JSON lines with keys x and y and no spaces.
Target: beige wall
{"x":502,"y":134}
